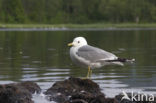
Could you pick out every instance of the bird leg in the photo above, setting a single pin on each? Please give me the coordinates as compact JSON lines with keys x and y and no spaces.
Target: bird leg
{"x":89,"y":72}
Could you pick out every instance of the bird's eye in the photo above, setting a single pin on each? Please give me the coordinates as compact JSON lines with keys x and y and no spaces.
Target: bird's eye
{"x":78,"y":41}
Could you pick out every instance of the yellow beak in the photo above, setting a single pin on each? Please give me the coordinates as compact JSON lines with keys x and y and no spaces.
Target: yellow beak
{"x":70,"y":44}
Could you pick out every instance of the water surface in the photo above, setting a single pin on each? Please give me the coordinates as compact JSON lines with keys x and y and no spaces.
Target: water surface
{"x":43,"y":57}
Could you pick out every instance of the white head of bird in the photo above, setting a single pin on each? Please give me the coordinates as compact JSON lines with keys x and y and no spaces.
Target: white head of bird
{"x":78,"y":42}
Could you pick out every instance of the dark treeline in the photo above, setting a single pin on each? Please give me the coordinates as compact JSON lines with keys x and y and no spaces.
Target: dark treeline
{"x":77,"y":11}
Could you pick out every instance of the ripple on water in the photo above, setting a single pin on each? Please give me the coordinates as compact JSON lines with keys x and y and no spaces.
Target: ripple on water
{"x":25,"y":57}
{"x":110,"y":82}
{"x":6,"y":82}
{"x":49,"y":74}
{"x":26,"y":69}
{"x":57,"y":73}
{"x":108,"y":77}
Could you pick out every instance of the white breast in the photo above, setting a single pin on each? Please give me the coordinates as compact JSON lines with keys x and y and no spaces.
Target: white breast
{"x":77,"y":59}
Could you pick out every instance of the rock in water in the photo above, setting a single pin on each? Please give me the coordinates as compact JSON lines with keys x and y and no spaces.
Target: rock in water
{"x":30,"y":86}
{"x":18,"y":92}
{"x":76,"y":90}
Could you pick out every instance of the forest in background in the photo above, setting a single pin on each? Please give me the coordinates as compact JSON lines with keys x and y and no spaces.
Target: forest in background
{"x":77,"y":11}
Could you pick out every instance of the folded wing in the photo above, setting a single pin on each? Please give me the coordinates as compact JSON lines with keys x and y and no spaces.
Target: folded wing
{"x":94,"y":54}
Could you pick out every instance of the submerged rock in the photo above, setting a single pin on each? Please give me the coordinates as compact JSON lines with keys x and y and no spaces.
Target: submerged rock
{"x":76,"y":90}
{"x":18,"y":92}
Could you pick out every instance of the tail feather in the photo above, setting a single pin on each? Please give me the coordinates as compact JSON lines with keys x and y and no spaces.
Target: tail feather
{"x":121,"y":60}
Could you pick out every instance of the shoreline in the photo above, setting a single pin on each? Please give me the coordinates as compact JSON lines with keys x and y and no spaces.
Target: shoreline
{"x":94,"y":25}
{"x":77,"y":27}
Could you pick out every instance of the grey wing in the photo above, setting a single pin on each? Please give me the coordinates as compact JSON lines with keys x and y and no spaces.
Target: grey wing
{"x":94,"y":54}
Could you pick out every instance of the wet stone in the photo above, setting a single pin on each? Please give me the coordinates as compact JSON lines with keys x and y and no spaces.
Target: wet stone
{"x":76,"y":90}
{"x":18,"y":92}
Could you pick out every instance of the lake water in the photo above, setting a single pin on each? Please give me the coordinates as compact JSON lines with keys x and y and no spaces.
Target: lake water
{"x":43,"y":57}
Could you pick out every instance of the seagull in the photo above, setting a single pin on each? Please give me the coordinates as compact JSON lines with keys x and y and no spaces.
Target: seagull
{"x":91,"y":57}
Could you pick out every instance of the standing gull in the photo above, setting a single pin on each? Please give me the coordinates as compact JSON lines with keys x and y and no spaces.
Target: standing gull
{"x":85,"y":55}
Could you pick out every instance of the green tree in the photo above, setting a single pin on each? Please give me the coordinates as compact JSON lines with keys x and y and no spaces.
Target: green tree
{"x":35,"y":10}
{"x":77,"y":11}
{"x":13,"y":11}
{"x":74,"y":11}
{"x":53,"y":11}
{"x":91,"y":9}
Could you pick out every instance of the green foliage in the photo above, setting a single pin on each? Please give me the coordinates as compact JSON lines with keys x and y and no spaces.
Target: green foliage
{"x":12,"y":11}
{"x":77,"y":11}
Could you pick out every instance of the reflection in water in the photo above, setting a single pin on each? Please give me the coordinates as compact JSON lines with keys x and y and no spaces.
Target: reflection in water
{"x":43,"y":57}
